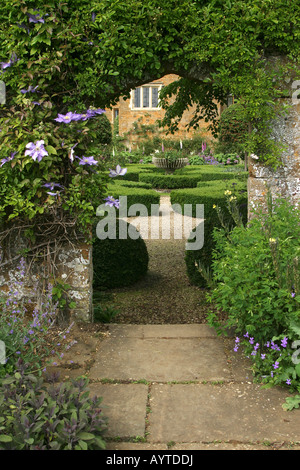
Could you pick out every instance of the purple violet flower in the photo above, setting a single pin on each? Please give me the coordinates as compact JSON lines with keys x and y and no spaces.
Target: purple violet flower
{"x":87,"y":161}
{"x":66,"y":118}
{"x":117,"y":172}
{"x":35,"y":18}
{"x":36,"y":151}
{"x":30,"y":89}
{"x":112,"y":202}
{"x":13,"y":59}
{"x":51,"y":186}
{"x":7,"y":159}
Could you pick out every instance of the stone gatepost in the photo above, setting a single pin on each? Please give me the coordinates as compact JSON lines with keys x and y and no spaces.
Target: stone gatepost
{"x":72,"y":265}
{"x":284,"y":181}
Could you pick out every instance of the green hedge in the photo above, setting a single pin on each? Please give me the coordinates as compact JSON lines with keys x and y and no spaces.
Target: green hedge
{"x":129,"y":184}
{"x":209,"y":195}
{"x":190,"y":179}
{"x":119,"y":262}
{"x":135,"y":195}
{"x":170,"y":181}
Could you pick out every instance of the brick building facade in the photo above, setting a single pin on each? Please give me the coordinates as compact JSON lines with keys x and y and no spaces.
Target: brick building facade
{"x":143,"y":108}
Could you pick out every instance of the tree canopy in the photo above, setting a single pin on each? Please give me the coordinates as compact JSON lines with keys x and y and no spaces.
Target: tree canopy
{"x":82,"y":55}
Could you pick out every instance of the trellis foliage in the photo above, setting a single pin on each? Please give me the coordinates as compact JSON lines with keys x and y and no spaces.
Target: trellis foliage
{"x":78,"y":54}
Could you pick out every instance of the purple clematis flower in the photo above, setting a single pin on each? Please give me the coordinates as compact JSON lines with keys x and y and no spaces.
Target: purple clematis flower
{"x":13,"y":59}
{"x":87,"y":161}
{"x":112,"y":202}
{"x":30,"y":89}
{"x":35,"y":18}
{"x":7,"y":159}
{"x":52,"y":185}
{"x":117,"y":172}
{"x":36,"y":151}
{"x":66,"y":118}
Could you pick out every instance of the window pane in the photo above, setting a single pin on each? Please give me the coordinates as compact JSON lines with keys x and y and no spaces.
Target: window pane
{"x":154,"y":97}
{"x":146,"y":97}
{"x":137,"y":98}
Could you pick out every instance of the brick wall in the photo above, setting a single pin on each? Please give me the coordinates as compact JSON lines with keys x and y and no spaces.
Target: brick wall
{"x":128,"y":116}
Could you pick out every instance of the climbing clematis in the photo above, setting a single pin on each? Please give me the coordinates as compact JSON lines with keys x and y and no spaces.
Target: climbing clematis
{"x":87,"y":161}
{"x":117,"y":172}
{"x":112,"y":202}
{"x":7,"y":159}
{"x":66,"y":118}
{"x":37,"y":151}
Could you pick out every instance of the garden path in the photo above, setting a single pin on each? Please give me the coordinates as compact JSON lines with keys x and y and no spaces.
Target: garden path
{"x":165,"y":294}
{"x":168,"y":382}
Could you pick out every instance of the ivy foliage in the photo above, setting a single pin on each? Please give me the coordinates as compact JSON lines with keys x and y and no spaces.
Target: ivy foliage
{"x":216,"y":47}
{"x":43,"y":49}
{"x":80,"y":54}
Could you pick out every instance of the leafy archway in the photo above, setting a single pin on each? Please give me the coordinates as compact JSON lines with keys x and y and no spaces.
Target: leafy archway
{"x":62,"y":62}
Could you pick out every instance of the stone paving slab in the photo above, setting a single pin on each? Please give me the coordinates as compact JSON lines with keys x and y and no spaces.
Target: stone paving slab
{"x":196,"y":330}
{"x":125,"y":407}
{"x":207,"y":413}
{"x":160,"y":359}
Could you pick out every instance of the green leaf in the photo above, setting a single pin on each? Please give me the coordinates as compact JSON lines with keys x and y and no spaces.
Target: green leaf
{"x":86,"y":436}
{"x":51,"y":149}
{"x":5,"y":438}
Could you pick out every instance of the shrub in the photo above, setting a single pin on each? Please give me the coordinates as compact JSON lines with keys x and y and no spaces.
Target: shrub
{"x":199,"y":262}
{"x":170,"y":181}
{"x":23,"y":334}
{"x":37,"y":416}
{"x":257,"y":273}
{"x":233,"y":130}
{"x":119,"y":262}
{"x":136,"y":195}
{"x":130,"y":184}
{"x":257,"y":283}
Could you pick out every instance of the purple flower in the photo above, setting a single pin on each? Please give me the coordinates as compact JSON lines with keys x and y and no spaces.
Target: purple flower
{"x":288,"y":382}
{"x":293,"y":294}
{"x":66,"y":118}
{"x":13,"y":59}
{"x":112,"y":202}
{"x":276,"y":365}
{"x":203,"y":146}
{"x":284,"y":342}
{"x":51,"y":186}
{"x":7,"y":159}
{"x":77,"y":116}
{"x":87,"y":161}
{"x":117,"y":172}
{"x":35,"y":18}
{"x":36,"y":151}
{"x":30,"y":89}
{"x":263,"y":356}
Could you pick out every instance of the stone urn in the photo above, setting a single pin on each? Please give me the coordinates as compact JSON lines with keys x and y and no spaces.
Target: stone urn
{"x":169,"y":165}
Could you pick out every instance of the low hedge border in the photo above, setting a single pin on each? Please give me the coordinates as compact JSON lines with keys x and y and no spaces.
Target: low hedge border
{"x":209,"y":195}
{"x":192,"y":180}
{"x":135,"y":195}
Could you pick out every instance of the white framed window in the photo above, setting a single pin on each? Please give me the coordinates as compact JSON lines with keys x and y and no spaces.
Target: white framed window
{"x":146,"y":97}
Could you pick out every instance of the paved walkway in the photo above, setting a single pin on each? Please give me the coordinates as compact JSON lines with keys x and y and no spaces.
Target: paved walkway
{"x":181,"y":387}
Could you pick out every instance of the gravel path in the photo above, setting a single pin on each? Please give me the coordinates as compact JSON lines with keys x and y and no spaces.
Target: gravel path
{"x":165,"y":294}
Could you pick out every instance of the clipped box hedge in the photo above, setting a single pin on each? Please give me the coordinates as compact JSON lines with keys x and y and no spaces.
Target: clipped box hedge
{"x":129,"y":184}
{"x":135,"y":195}
{"x":209,"y":195}
{"x":162,"y":181}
